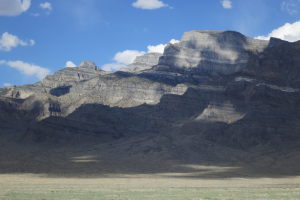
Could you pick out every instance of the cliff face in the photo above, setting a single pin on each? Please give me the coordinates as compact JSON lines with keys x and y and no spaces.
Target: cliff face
{"x":142,"y":63}
{"x":217,"y":87}
{"x":213,"y":52}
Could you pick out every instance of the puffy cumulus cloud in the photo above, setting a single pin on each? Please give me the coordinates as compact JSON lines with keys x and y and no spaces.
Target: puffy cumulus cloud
{"x":227,"y":4}
{"x":124,"y":58}
{"x":128,"y":56}
{"x":9,"y":41}
{"x":27,"y":68}
{"x":174,"y":41}
{"x":160,"y":47}
{"x":70,"y":64}
{"x":46,"y":6}
{"x":288,"y":32}
{"x":149,"y":4}
{"x":13,"y":7}
{"x":156,"y":48}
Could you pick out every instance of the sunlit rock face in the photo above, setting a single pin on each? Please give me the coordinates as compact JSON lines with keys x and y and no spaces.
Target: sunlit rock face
{"x":86,"y":70}
{"x":219,"y":86}
{"x":63,"y":92}
{"x":224,"y":112}
{"x":213,"y":52}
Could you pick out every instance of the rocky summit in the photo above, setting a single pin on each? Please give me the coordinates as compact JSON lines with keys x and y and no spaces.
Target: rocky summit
{"x":215,"y":97}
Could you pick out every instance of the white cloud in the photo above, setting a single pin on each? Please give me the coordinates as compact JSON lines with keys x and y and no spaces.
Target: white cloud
{"x":149,"y":4}
{"x":174,"y":41}
{"x":70,"y":64}
{"x":27,"y":69}
{"x":227,"y":4}
{"x":46,"y":6}
{"x":127,"y":56}
{"x":7,"y":84}
{"x":156,"y":48}
{"x":124,"y":58}
{"x":13,"y":7}
{"x":291,"y":6}
{"x":160,"y":47}
{"x":113,"y":66}
{"x":288,"y":32}
{"x":9,"y":41}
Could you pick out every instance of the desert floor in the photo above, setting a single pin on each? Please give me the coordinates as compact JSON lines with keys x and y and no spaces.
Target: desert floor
{"x":146,"y":187}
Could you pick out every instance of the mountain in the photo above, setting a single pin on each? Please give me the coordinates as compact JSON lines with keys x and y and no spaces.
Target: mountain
{"x":214,"y":98}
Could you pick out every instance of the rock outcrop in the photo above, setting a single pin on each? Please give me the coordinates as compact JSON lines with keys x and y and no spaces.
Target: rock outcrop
{"x":86,"y":70}
{"x":218,"y":87}
{"x":142,"y":63}
{"x":213,"y":52}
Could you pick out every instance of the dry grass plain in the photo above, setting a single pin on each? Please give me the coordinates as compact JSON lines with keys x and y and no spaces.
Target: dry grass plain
{"x":146,"y":187}
{"x":99,"y":173}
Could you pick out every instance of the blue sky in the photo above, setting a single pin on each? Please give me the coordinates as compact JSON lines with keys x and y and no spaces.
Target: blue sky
{"x":38,"y":37}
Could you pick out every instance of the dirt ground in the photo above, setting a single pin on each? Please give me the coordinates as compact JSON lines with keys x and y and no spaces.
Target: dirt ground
{"x":143,"y":186}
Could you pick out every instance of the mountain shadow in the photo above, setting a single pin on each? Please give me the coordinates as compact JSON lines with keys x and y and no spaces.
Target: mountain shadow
{"x":202,"y":134}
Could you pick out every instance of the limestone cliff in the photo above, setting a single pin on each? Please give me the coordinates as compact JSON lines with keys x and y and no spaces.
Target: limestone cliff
{"x":214,"y":52}
{"x":213,"y":87}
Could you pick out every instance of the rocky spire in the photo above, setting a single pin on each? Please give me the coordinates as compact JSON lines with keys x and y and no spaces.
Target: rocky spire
{"x":88,"y":65}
